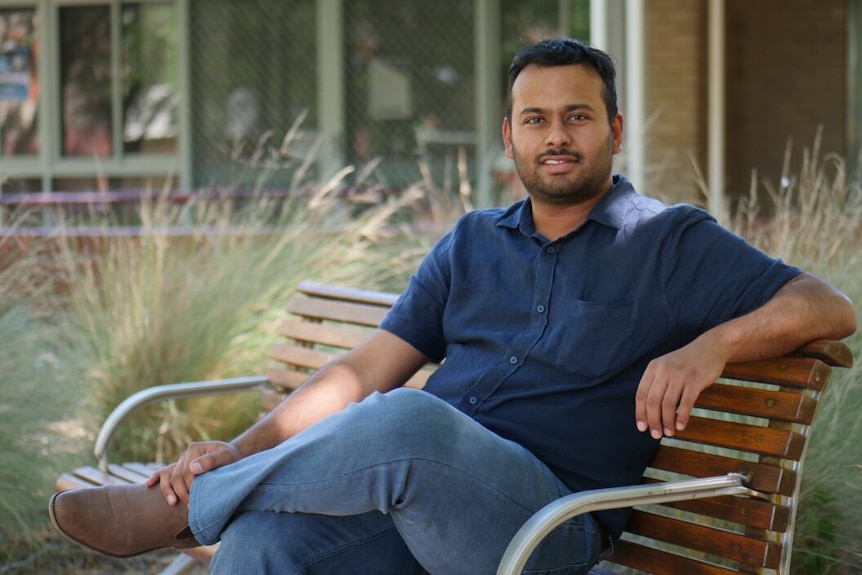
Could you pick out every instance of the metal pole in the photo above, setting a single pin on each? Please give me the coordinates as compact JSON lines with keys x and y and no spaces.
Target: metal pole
{"x":715,"y":146}
{"x":635,"y":121}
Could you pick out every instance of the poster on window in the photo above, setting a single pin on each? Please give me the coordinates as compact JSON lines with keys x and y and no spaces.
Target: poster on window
{"x":15,"y":74}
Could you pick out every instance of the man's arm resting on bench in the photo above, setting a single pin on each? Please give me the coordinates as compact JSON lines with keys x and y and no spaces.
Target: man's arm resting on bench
{"x":383,"y":362}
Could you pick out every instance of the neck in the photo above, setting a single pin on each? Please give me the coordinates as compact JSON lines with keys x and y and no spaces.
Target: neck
{"x":554,"y":221}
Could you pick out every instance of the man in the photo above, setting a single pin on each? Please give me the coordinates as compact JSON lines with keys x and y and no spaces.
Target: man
{"x":578,"y":327}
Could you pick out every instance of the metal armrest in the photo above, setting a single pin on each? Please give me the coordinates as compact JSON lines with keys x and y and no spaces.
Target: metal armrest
{"x":555,"y":513}
{"x":162,"y":393}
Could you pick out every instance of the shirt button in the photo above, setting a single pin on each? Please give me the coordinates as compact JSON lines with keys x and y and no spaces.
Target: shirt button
{"x":540,"y":308}
{"x":472,"y":401}
{"x":513,"y":360}
{"x":552,"y":249}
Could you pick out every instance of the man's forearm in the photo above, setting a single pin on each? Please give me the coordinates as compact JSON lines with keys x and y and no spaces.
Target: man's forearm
{"x":805,"y":309}
{"x":329,"y":390}
{"x":382,"y":362}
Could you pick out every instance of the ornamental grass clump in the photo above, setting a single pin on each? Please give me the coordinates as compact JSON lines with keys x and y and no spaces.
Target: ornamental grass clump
{"x":813,"y":219}
{"x":195,"y":292}
{"x":35,"y":394}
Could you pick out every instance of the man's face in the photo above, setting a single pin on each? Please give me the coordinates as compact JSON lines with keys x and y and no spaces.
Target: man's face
{"x":559,"y":135}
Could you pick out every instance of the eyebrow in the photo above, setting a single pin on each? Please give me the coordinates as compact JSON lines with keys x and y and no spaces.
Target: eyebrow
{"x":568,"y":108}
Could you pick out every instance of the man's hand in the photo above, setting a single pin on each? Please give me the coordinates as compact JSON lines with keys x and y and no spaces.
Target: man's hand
{"x":175,"y":480}
{"x":671,"y":384}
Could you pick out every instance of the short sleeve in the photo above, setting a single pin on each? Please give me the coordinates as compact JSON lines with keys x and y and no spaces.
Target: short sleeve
{"x":417,"y":315}
{"x":712,"y":275}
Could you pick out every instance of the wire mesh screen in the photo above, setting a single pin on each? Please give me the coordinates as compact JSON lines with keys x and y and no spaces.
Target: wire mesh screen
{"x":253,"y":73}
{"x":407,"y":73}
{"x":410,"y":85}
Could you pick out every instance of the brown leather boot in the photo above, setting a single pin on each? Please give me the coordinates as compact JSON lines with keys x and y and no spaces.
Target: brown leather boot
{"x":121,"y":520}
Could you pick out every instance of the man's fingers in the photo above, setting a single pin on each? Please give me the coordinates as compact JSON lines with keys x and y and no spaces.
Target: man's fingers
{"x":179,"y":485}
{"x":641,"y":397}
{"x":153,"y":479}
{"x":669,"y":404}
{"x":649,"y":401}
{"x":683,"y":413}
{"x":163,"y":477}
{"x":212,"y":460}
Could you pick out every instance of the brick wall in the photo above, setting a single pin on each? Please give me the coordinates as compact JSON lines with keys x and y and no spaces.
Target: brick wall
{"x":786,"y":66}
{"x":676,"y":99}
{"x":786,"y":76}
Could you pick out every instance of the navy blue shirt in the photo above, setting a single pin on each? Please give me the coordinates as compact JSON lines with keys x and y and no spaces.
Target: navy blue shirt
{"x":545,"y":341}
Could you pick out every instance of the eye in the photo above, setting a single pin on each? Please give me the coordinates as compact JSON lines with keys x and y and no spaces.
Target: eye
{"x":532,"y":120}
{"x":578,"y":117}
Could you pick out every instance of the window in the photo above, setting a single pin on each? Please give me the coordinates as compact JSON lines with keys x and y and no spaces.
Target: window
{"x":148,"y":72}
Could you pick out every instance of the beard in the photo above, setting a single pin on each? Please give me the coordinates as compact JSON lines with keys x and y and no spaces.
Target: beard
{"x":588,"y":181}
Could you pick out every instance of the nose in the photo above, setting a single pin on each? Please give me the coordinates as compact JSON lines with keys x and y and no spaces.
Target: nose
{"x":557,"y":135}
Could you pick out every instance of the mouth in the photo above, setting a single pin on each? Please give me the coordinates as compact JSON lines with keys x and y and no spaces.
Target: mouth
{"x":558,"y":163}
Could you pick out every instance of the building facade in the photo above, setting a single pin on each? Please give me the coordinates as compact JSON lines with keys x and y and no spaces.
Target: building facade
{"x":107,"y":95}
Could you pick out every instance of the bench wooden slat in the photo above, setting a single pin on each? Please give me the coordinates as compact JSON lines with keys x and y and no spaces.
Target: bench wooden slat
{"x":766,"y":403}
{"x":659,"y":562}
{"x":765,"y":478}
{"x":345,"y":337}
{"x":300,"y":356}
{"x":708,"y":540}
{"x":751,"y":438}
{"x":353,"y":313}
{"x":753,"y":513}
{"x":70,"y":481}
{"x":383,"y":299}
{"x":129,"y":473}
{"x":765,"y":441}
{"x":94,"y":477}
{"x":791,"y":371}
{"x":830,"y":352}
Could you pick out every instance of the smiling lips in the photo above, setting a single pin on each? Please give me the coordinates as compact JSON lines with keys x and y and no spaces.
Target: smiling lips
{"x":558,"y":163}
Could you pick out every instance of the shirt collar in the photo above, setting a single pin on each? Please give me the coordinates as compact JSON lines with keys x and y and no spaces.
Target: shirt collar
{"x":610,"y":211}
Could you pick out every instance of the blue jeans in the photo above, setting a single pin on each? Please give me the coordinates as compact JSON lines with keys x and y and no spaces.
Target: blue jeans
{"x":400,"y":483}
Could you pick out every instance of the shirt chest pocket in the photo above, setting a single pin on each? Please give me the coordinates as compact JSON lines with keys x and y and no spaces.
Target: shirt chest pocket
{"x":590,"y":339}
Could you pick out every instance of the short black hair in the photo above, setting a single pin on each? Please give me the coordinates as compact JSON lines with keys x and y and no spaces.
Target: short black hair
{"x":566,"y":52}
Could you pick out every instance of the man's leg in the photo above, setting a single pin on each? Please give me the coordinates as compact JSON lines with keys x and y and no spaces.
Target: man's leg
{"x":455,"y":491}
{"x":303,"y":544}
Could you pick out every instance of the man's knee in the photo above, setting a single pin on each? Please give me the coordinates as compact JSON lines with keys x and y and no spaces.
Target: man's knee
{"x":406,"y":412}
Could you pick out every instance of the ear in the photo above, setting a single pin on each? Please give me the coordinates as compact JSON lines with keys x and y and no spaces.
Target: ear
{"x":507,"y":137}
{"x":617,"y":133}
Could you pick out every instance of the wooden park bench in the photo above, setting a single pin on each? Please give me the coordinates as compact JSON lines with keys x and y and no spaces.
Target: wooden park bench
{"x":719,"y":498}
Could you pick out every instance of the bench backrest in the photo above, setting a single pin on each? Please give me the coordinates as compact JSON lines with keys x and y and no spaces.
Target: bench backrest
{"x":755,"y":420}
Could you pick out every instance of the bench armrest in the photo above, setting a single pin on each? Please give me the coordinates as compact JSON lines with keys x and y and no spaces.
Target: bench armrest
{"x":163,"y":393}
{"x":555,"y":513}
